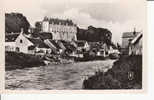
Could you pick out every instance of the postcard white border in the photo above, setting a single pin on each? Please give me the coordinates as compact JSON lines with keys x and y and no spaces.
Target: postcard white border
{"x":2,"y":70}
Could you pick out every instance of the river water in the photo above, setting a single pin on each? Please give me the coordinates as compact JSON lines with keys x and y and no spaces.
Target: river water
{"x":54,"y":77}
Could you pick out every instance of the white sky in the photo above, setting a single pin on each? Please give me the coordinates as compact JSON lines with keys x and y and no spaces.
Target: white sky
{"x":116,"y":15}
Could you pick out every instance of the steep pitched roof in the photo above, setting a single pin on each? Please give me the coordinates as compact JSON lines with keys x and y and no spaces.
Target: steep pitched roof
{"x":61,"y":44}
{"x":11,"y":37}
{"x":136,"y":39}
{"x":129,"y":34}
{"x":37,"y":42}
{"x":55,"y":44}
{"x":68,"y":45}
{"x":59,"y":21}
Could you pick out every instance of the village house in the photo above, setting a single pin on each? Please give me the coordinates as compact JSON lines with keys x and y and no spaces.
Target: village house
{"x":30,"y":45}
{"x":55,"y":46}
{"x":60,"y":29}
{"x":10,"y":44}
{"x":68,"y":46}
{"x":103,"y":51}
{"x":61,"y":47}
{"x":82,"y":46}
{"x":71,"y":49}
{"x":126,"y":38}
{"x":135,"y":47}
{"x":113,"y":50}
{"x":99,"y":49}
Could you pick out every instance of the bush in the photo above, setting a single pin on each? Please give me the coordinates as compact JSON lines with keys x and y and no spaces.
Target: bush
{"x":126,"y":73}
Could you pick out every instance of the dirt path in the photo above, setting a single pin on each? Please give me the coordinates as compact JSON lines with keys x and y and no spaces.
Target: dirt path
{"x":57,"y":77}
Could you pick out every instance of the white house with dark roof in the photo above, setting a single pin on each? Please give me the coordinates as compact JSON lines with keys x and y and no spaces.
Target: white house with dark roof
{"x":82,"y":45}
{"x":127,"y":37}
{"x":30,"y":45}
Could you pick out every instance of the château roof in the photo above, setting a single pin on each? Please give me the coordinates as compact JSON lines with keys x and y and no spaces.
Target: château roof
{"x":59,"y":21}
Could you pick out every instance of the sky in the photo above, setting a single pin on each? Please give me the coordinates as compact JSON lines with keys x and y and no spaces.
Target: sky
{"x":116,"y":15}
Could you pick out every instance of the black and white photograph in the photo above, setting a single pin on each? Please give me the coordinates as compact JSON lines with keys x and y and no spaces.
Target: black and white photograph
{"x":74,"y":44}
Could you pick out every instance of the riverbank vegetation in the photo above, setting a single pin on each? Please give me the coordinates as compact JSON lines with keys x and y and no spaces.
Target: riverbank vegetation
{"x":126,"y":73}
{"x":15,"y":60}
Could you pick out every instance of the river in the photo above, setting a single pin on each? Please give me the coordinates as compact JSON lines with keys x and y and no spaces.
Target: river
{"x":54,"y":77}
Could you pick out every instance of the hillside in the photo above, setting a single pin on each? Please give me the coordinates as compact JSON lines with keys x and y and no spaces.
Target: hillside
{"x":15,"y":21}
{"x":93,"y":34}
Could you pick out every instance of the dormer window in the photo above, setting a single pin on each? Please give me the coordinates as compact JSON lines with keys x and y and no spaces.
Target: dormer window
{"x":21,"y":41}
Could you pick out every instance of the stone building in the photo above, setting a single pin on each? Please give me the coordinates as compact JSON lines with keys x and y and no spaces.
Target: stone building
{"x":60,"y":29}
{"x":127,"y":37}
{"x":26,"y":44}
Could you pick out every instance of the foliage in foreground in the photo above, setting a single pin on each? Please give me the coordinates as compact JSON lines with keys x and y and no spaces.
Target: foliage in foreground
{"x":126,"y":73}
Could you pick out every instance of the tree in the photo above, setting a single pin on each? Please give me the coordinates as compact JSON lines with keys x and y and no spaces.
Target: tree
{"x":38,"y":27}
{"x":15,"y":21}
{"x":93,"y":34}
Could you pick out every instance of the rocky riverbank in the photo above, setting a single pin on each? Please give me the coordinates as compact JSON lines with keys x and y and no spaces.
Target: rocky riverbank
{"x":20,"y":60}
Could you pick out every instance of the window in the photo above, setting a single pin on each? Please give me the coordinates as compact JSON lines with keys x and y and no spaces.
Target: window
{"x":17,"y":49}
{"x":21,"y":41}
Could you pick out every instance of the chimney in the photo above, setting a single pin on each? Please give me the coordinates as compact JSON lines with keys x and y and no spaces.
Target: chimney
{"x":22,"y":30}
{"x":134,"y":31}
